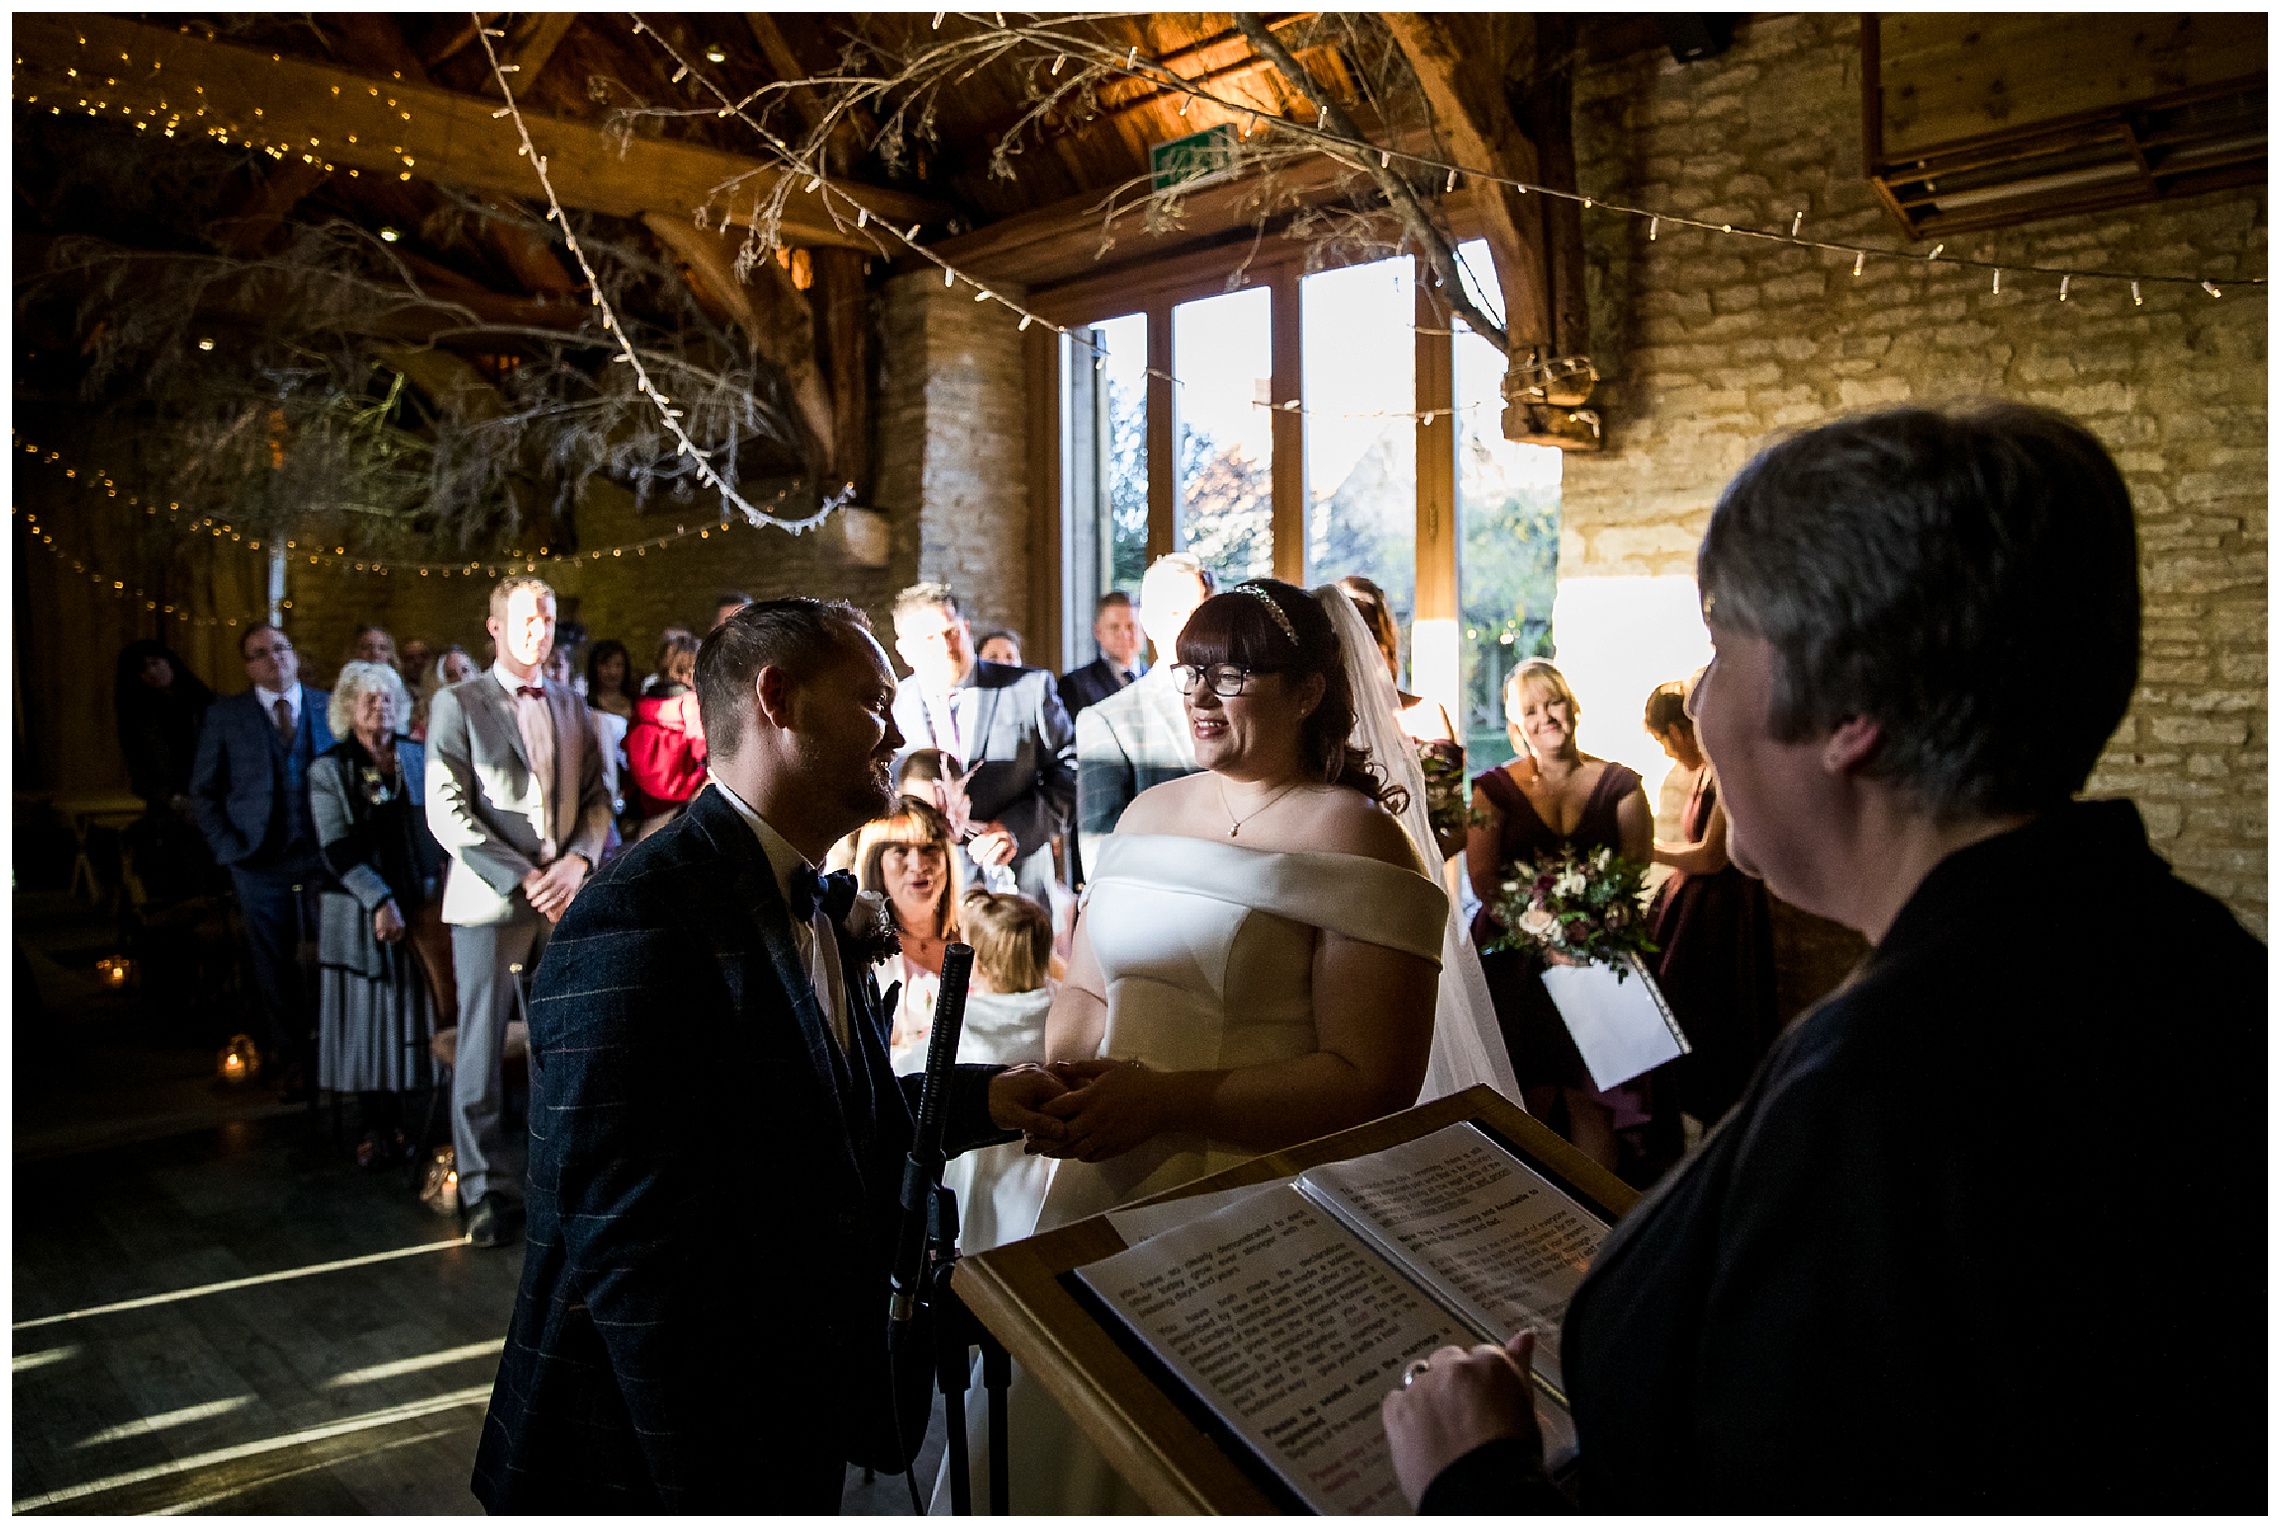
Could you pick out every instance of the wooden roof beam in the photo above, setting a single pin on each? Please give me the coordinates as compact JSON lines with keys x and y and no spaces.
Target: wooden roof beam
{"x":399,"y":128}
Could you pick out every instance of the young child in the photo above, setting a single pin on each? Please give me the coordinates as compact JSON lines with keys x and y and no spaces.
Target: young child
{"x":999,"y":1188}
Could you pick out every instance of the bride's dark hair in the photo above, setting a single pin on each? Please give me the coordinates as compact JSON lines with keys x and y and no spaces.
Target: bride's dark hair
{"x":1238,"y":627}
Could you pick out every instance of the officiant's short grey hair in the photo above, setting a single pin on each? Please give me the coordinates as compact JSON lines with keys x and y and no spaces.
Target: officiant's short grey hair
{"x":803,"y":637}
{"x":1966,"y":578}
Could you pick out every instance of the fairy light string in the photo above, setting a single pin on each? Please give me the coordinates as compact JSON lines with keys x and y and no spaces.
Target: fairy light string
{"x":671,"y":416}
{"x":119,"y":588}
{"x":866,"y":221}
{"x":1161,"y":75}
{"x":347,"y":561}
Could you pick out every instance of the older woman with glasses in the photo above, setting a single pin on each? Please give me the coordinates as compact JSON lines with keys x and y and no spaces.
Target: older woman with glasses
{"x":378,"y":934}
{"x":1934,"y":1259}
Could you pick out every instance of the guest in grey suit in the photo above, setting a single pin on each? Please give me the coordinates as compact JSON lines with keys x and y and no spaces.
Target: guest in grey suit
{"x":1138,"y":737}
{"x":1005,"y":724}
{"x":515,"y":796}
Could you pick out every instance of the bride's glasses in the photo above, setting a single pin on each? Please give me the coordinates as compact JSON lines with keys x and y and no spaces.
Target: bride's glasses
{"x":1226,"y":679}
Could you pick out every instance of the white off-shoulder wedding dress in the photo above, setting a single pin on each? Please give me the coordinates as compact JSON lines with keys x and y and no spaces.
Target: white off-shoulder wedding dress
{"x":1207,"y":953}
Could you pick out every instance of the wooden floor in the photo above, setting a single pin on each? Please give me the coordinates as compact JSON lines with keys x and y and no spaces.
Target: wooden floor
{"x":213,"y":1310}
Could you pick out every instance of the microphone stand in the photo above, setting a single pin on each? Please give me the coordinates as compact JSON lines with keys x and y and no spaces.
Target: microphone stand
{"x":926,"y":1255}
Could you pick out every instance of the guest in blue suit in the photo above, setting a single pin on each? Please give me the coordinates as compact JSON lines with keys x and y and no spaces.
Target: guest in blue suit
{"x":1006,"y":725}
{"x":249,"y":791}
{"x":717,"y":1137}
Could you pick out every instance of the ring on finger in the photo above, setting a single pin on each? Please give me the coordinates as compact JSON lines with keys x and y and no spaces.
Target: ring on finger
{"x":1409,"y":1375}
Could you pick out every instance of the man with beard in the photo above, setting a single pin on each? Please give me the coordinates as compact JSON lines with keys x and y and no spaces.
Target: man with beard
{"x":701,"y":1324}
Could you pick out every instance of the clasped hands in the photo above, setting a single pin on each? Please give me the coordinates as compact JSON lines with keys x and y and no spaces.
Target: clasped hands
{"x":1089,"y":1110}
{"x":551,"y":889}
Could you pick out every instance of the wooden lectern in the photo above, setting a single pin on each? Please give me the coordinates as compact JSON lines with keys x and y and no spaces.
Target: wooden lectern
{"x":1017,"y":1291}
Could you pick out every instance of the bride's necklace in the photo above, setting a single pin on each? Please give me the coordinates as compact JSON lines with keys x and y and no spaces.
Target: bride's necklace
{"x":1235,"y":823}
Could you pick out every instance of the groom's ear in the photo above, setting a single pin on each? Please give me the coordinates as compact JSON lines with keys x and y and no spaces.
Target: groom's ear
{"x":772,"y":692}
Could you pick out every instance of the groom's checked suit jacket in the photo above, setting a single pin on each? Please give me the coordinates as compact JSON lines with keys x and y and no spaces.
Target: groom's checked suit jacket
{"x":713,"y":1181}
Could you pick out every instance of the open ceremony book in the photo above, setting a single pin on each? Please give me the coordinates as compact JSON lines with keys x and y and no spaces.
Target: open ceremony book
{"x":1290,"y":1310}
{"x":1227,"y":1350}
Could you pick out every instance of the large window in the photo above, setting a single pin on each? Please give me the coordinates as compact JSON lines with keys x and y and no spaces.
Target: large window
{"x":1223,"y":358}
{"x":1376,"y":379}
{"x":1104,"y":543}
{"x":1359,"y":384}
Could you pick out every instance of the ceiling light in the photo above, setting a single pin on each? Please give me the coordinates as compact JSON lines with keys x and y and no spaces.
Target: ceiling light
{"x":716,"y":53}
{"x":390,"y":235}
{"x":205,"y":344}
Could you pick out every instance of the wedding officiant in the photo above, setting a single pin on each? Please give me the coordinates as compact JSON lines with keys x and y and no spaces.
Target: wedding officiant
{"x":1933,"y":1260}
{"x":718,"y":1139}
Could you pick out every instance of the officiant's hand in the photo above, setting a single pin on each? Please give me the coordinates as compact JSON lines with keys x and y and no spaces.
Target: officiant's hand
{"x":1112,"y":1107}
{"x":1016,"y":1095}
{"x":1455,"y":1402}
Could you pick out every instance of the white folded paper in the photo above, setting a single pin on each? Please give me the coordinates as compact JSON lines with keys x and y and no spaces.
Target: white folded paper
{"x":1622,"y":1026}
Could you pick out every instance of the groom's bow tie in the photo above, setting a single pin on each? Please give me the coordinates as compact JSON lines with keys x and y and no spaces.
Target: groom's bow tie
{"x":834,"y":893}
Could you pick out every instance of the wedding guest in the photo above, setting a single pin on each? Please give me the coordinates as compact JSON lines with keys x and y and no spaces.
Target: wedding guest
{"x":610,"y":683}
{"x":999,"y":645}
{"x":1118,"y":638}
{"x":1006,"y":723}
{"x":160,"y":706}
{"x":372,"y":644}
{"x":907,"y":857}
{"x":1881,"y":1285}
{"x":651,"y":681}
{"x":730,"y":602}
{"x":249,"y":791}
{"x":1715,"y":928}
{"x":1552,"y":798}
{"x":1138,"y":737}
{"x":610,"y":709}
{"x":375,"y":1012}
{"x":1000,"y":1188}
{"x":418,"y":658}
{"x":699,"y":1327}
{"x":1440,"y":753}
{"x":562,"y":662}
{"x":452,"y":666}
{"x":665,"y":746}
{"x":514,"y":794}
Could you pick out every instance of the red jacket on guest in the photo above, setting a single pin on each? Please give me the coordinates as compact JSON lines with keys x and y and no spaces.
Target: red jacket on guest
{"x":665,"y":751}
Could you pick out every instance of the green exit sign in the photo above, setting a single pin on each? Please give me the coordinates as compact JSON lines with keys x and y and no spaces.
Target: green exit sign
{"x":1193,"y":158}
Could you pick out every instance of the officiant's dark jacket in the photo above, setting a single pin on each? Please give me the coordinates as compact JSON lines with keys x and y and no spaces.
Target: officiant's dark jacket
{"x":1985,"y":1234}
{"x":701,"y":1323}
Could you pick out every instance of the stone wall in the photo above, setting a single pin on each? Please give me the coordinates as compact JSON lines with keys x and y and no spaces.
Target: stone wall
{"x":953,"y":446}
{"x":1711,"y":344}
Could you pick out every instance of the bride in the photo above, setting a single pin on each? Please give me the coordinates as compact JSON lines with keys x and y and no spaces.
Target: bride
{"x":1256,"y":961}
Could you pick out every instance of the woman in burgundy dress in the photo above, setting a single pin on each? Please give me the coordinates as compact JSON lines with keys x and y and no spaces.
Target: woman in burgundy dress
{"x":1554,"y":797}
{"x":1716,"y":931}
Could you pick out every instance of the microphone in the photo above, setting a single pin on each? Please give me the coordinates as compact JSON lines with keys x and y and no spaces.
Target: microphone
{"x":922,"y":1170}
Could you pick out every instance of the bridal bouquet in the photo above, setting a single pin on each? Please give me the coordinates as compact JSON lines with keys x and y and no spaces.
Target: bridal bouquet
{"x":1588,"y":907}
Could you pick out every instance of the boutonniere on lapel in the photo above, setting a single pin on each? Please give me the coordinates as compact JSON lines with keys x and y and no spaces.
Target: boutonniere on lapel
{"x":866,"y":924}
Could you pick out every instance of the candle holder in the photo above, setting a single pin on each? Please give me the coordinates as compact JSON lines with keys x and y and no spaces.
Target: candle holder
{"x":239,"y":1062}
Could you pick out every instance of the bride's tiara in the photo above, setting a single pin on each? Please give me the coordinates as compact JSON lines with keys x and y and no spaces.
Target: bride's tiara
{"x":1274,"y":608}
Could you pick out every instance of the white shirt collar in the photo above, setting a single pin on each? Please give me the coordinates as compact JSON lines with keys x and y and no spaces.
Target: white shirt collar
{"x":783,"y":859}
{"x":269,"y":697}
{"x":510,"y":683}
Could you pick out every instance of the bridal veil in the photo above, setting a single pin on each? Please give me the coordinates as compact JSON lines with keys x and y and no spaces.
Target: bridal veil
{"x":1468,"y":1047}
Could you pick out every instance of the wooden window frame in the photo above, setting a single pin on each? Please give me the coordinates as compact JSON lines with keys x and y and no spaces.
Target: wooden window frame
{"x":1155,"y":293}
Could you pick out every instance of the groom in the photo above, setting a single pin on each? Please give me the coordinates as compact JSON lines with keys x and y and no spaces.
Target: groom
{"x":717,"y":1139}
